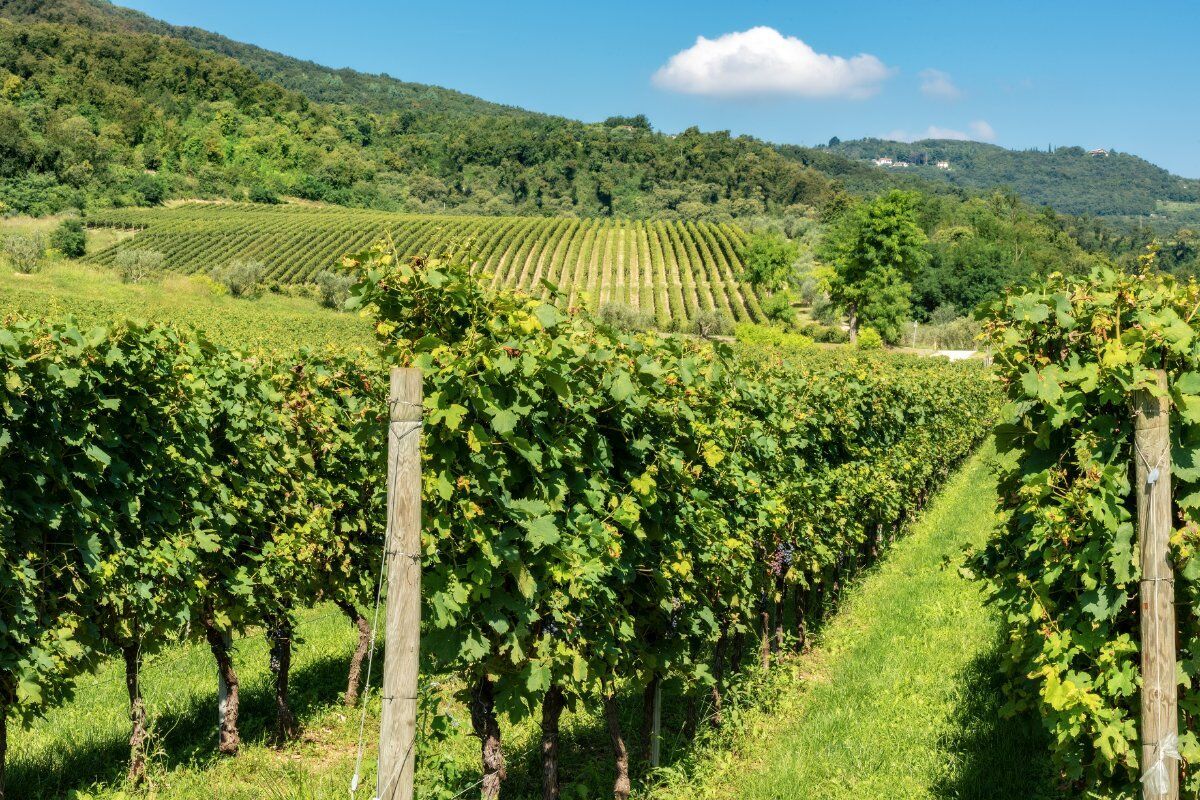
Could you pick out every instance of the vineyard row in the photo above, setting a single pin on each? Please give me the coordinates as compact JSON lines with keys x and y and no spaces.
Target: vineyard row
{"x":670,"y":270}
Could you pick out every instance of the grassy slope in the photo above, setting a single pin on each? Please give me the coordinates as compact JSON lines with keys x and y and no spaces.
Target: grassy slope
{"x":96,"y":297}
{"x":900,"y":699}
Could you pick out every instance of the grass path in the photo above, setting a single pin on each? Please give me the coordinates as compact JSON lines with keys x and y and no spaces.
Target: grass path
{"x":900,"y":699}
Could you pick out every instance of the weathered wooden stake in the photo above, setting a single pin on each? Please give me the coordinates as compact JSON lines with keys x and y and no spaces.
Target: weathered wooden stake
{"x":656,"y":726}
{"x":402,"y":626}
{"x":1152,"y":456}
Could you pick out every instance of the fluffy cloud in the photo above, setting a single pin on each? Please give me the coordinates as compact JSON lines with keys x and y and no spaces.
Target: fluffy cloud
{"x":978,"y":130}
{"x":939,"y":86}
{"x":762,"y":61}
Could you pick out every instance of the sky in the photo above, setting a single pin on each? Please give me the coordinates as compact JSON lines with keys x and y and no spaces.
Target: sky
{"x":1018,"y":74}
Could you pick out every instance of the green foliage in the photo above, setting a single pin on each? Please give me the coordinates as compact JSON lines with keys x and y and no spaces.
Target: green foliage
{"x":869,"y":339}
{"x":139,"y":266}
{"x":962,"y":333}
{"x":69,"y":238}
{"x":768,"y":260}
{"x":602,"y":507}
{"x":24,"y":251}
{"x":333,"y":288}
{"x":623,"y":317}
{"x":828,"y":334}
{"x":151,"y":480}
{"x":1067,"y":179}
{"x":99,"y":105}
{"x":770,"y":335}
{"x":876,"y":249}
{"x":241,"y":278}
{"x":262,"y":194}
{"x":709,"y":323}
{"x":885,"y":303}
{"x":777,"y":307}
{"x":1064,"y":569}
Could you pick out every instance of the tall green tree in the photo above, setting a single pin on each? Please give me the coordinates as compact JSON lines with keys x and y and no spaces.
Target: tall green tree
{"x":769,"y":260}
{"x":876,"y":249}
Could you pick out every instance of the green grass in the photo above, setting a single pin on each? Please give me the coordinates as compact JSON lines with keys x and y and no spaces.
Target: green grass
{"x":96,"y":296}
{"x":901,"y":698}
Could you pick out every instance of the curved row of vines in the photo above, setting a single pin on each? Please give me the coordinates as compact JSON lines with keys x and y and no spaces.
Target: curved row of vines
{"x":601,"y":510}
{"x":605,"y":512}
{"x":671,"y":270}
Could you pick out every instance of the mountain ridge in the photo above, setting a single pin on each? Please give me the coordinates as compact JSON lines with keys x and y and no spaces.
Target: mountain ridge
{"x":1070,"y":179}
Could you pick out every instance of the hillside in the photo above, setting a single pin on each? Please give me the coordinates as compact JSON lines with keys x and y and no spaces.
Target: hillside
{"x":1069,"y":179}
{"x":379,"y":93}
{"x":99,"y":107}
{"x":669,"y":271}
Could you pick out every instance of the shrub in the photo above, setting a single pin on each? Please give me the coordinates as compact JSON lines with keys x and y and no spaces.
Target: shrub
{"x":263,"y":194}
{"x":748,"y":333}
{"x":69,"y":238}
{"x":333,"y":288}
{"x":25,"y":251}
{"x":869,"y":339}
{"x":829,"y":334}
{"x":710,"y":323}
{"x":959,"y":334}
{"x":241,"y":278}
{"x":137,"y":266}
{"x":623,"y":317}
{"x":778,"y":307}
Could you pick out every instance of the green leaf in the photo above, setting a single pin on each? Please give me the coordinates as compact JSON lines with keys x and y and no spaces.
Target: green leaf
{"x":503,"y":421}
{"x":622,"y":387}
{"x":541,"y":531}
{"x":547,"y":314}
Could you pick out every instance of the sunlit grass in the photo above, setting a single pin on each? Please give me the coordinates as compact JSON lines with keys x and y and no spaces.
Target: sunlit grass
{"x":96,"y":296}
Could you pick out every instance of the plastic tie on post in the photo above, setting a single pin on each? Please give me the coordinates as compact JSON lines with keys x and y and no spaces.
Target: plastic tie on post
{"x":1152,"y":478}
{"x":1156,"y":781}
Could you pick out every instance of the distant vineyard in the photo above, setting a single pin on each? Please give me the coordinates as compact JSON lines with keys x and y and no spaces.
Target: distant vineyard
{"x":671,"y":270}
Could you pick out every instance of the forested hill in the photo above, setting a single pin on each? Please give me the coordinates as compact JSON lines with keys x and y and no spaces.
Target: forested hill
{"x":379,"y":93}
{"x":1070,"y":179}
{"x":96,"y":108}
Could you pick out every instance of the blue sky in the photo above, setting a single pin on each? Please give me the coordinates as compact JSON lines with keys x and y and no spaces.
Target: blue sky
{"x":1020,"y":74}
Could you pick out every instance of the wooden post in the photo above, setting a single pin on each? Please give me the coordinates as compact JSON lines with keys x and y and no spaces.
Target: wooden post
{"x":398,"y":727}
{"x":1152,"y":456}
{"x":656,"y":725}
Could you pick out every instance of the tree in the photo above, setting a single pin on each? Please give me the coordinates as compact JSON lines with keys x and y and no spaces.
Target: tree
{"x":25,"y":252}
{"x":875,"y":249}
{"x":69,"y":238}
{"x":768,"y":260}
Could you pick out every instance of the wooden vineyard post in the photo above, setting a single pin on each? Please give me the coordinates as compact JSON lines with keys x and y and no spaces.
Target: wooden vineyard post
{"x":1159,"y":729}
{"x":402,"y":626}
{"x":656,"y":726}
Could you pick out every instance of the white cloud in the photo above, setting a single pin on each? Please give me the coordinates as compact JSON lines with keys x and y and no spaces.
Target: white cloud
{"x":978,"y":130}
{"x":762,"y":61}
{"x":938,"y":85}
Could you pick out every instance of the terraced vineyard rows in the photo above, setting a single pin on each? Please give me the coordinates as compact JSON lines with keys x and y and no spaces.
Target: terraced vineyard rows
{"x":670,"y":270}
